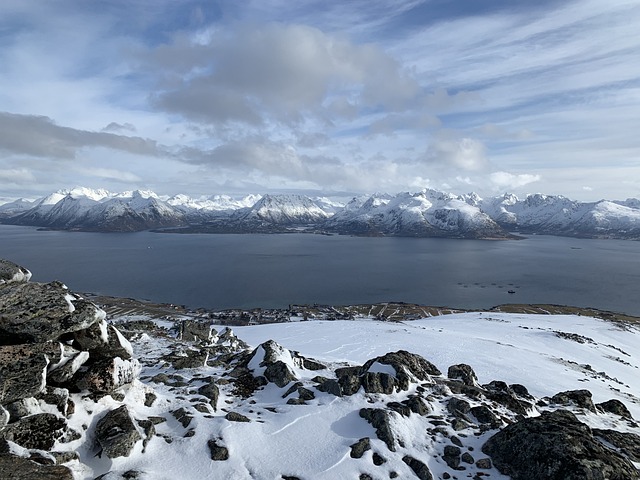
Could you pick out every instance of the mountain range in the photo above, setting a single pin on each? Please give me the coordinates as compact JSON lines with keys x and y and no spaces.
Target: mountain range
{"x":428,"y":213}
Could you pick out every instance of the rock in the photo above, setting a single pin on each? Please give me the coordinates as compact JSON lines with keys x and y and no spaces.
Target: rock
{"x":103,"y":341}
{"x":212,"y":392}
{"x":193,"y":331}
{"x":555,"y":445}
{"x":579,"y":398}
{"x":149,"y":429}
{"x":236,"y":417}
{"x":379,"y":419}
{"x":485,"y":416}
{"x":377,"y":382}
{"x":22,"y":408}
{"x":38,"y":312}
{"x":400,"y":408}
{"x":458,"y":408}
{"x":218,"y":452}
{"x":279,"y":373}
{"x":615,"y":406}
{"x":189,"y":359}
{"x":463,"y":373}
{"x":107,"y":376}
{"x":23,"y":369}
{"x":408,"y":366}
{"x":417,"y":405}
{"x":361,"y":446}
{"x":182,"y":416}
{"x":11,"y":272}
{"x":451,"y":456}
{"x":484,"y":464}
{"x":419,"y":468}
{"x":18,"y":468}
{"x":311,"y":364}
{"x":60,"y":374}
{"x":378,"y":459}
{"x":501,"y":393}
{"x":116,"y":433}
{"x":330,"y":386}
{"x":38,"y":431}
{"x":58,"y":397}
{"x":466,"y":457}
{"x":4,"y":416}
{"x":149,"y":399}
{"x":627,"y":443}
{"x":349,"y":382}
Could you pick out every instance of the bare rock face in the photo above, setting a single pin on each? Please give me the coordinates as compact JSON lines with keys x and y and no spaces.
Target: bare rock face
{"x":11,"y":272}
{"x":192,"y":331}
{"x":116,"y":433}
{"x":555,"y":446}
{"x":38,"y":312}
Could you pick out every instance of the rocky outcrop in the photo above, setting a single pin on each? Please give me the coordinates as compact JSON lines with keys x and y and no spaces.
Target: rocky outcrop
{"x":116,"y":433}
{"x":10,"y":272}
{"x":555,"y":445}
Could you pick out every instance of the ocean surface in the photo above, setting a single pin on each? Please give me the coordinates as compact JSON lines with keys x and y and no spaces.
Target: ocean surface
{"x":273,"y":271}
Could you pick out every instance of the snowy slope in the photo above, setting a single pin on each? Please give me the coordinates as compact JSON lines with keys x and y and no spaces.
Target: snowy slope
{"x":283,"y":210}
{"x":546,"y":354}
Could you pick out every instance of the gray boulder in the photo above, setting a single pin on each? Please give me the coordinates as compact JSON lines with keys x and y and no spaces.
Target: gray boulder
{"x":11,"y":272}
{"x":38,"y":431}
{"x":379,"y":419}
{"x":408,"y":367}
{"x":103,"y":341}
{"x":19,"y":468}
{"x":627,"y":443}
{"x":361,"y":446}
{"x":279,"y":373}
{"x":193,"y":331}
{"x":579,"y":398}
{"x":617,"y":407}
{"x":555,"y":446}
{"x":106,"y":376}
{"x":419,"y":468}
{"x":38,"y":312}
{"x":23,"y":369}
{"x":212,"y":392}
{"x":463,"y":373}
{"x":116,"y":433}
{"x":219,"y":453}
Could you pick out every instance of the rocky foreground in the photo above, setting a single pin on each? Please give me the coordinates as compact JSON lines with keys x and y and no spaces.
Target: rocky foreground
{"x":82,"y":397}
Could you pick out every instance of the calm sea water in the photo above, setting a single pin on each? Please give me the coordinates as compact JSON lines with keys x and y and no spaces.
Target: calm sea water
{"x":226,"y":271}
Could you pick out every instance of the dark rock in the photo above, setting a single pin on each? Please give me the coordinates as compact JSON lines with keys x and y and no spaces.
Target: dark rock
{"x":627,"y":443}
{"x":37,"y":312}
{"x":193,"y":331}
{"x":458,"y":408}
{"x":306,"y":394}
{"x":361,"y":446}
{"x":458,"y":424}
{"x":555,"y":445}
{"x":279,"y":373}
{"x":521,"y":391}
{"x":579,"y":398}
{"x":149,"y":429}
{"x":212,"y":392}
{"x":617,"y":407}
{"x":218,"y":452}
{"x":379,"y":419}
{"x":149,"y":399}
{"x":501,"y":393}
{"x":378,"y":459}
{"x":349,"y":383}
{"x":182,"y":416}
{"x":189,"y":359}
{"x":61,"y":374}
{"x":456,"y":441}
{"x":311,"y":364}
{"x":293,"y":388}
{"x":417,"y":405}
{"x":452,"y":456}
{"x":64,"y":457}
{"x":36,"y":431}
{"x":22,"y":408}
{"x":376,"y":382}
{"x":464,"y":373}
{"x":245,"y":384}
{"x":330,"y":386}
{"x":484,"y":464}
{"x":102,"y":341}
{"x":485,"y":416}
{"x":19,"y":468}
{"x":408,"y":366}
{"x":236,"y":417}
{"x":365,"y":476}
{"x":419,"y":468}
{"x":58,"y":397}
{"x":12,"y":272}
{"x":400,"y":408}
{"x":116,"y":433}
{"x":466,"y":457}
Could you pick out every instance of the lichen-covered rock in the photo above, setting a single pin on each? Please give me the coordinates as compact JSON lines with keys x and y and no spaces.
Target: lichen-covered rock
{"x":408,"y":367}
{"x":18,"y":468}
{"x":236,"y":417}
{"x":219,"y":453}
{"x":116,"y":433}
{"x":11,"y":272}
{"x":555,"y":446}
{"x":63,"y":371}
{"x":194,"y":331}
{"x":36,"y":431}
{"x":361,"y":446}
{"x":212,"y":392}
{"x":108,"y":375}
{"x":505,"y":395}
{"x":627,"y":443}
{"x":279,"y":373}
{"x":377,"y":382}
{"x":38,"y":312}
{"x":23,"y":369}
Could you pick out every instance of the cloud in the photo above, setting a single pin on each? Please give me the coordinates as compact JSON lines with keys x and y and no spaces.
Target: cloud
{"x":506,"y":181}
{"x":110,"y":174}
{"x":276,"y":72}
{"x":117,"y":127}
{"x":39,"y":136}
{"x":464,"y":154}
{"x":19,"y":176}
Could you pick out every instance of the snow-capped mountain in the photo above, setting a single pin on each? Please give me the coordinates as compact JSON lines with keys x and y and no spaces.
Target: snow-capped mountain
{"x":427,"y":213}
{"x":283,"y":210}
{"x":558,"y":215}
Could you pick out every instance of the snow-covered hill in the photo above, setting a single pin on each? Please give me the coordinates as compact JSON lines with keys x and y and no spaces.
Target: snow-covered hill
{"x":285,"y":210}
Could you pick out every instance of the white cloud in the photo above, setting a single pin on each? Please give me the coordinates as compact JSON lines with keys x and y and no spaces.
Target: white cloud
{"x":509,"y":181}
{"x":17,"y":176}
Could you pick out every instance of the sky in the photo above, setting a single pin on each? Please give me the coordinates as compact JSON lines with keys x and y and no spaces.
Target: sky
{"x":321,"y":97}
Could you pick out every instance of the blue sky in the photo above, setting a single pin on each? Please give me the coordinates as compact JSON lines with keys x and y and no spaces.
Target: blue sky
{"x":207,"y":97}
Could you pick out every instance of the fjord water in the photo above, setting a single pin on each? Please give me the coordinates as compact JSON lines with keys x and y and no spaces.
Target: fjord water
{"x":227,"y":271}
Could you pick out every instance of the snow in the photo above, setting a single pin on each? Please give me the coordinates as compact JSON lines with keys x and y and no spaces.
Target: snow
{"x":70,"y":298}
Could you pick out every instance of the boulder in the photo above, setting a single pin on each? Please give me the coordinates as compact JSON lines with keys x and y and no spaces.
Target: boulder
{"x":116,"y":433}
{"x":555,"y":446}
{"x":579,"y":398}
{"x":615,"y":406}
{"x":408,"y":367}
{"x":219,"y":453}
{"x":11,"y":272}
{"x":420,"y":469}
{"x":463,"y":373}
{"x":107,"y":376}
{"x":503,"y":394}
{"x":18,"y":468}
{"x":193,"y":331}
{"x":380,"y":420}
{"x":377,"y":382}
{"x":212,"y":392}
{"x":23,"y":369}
{"x":361,"y":446}
{"x":627,"y":443}
{"x":279,"y":373}
{"x":103,"y":341}
{"x":236,"y":417}
{"x":38,"y":312}
{"x":38,"y":431}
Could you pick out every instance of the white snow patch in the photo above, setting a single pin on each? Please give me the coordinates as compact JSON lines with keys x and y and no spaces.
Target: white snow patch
{"x":70,"y":298}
